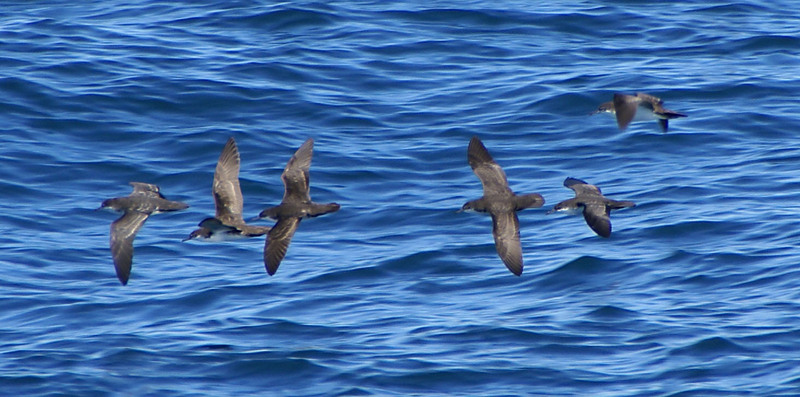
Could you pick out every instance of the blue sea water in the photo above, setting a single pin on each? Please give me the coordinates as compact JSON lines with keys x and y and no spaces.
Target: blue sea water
{"x":696,"y":293}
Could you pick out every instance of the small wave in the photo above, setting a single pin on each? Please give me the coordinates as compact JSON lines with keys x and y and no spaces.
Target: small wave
{"x":610,"y":312}
{"x":713,"y":346}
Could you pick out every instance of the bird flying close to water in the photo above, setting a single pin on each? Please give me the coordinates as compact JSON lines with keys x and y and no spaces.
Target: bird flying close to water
{"x":227,"y":223}
{"x":595,"y":207}
{"x":639,"y":106}
{"x":295,"y":206}
{"x":501,"y":203}
{"x":146,"y":199}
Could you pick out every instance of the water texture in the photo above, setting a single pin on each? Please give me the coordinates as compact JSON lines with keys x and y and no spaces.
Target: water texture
{"x":696,"y":293}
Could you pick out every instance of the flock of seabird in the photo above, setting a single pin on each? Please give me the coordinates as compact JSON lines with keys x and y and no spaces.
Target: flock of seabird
{"x":498,"y":199}
{"x":227,"y":223}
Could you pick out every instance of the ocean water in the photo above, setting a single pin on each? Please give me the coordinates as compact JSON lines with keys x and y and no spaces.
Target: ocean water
{"x":696,"y":293}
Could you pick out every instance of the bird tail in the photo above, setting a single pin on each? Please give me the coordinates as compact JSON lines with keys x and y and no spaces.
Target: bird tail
{"x":615,"y":205}
{"x":322,"y":209}
{"x":672,"y":114}
{"x":533,"y":200}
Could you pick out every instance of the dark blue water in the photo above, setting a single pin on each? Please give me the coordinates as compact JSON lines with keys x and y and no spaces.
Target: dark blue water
{"x":697,"y":292}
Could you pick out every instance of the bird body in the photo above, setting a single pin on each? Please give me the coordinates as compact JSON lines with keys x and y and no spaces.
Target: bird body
{"x":639,"y":106}
{"x":295,"y":206}
{"x":501,"y":203}
{"x":145,"y":200}
{"x":227,"y":223}
{"x":595,"y":207}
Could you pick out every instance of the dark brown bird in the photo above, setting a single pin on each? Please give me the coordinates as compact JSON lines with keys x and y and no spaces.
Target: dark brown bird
{"x":137,"y":207}
{"x":227,"y":223}
{"x":596,"y":208}
{"x":501,"y":203}
{"x":639,"y":106}
{"x":295,"y":206}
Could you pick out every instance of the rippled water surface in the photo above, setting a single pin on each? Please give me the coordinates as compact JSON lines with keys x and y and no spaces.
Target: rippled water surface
{"x":697,"y":292}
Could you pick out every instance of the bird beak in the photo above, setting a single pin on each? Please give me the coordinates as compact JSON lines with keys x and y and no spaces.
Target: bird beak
{"x":550,"y":212}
